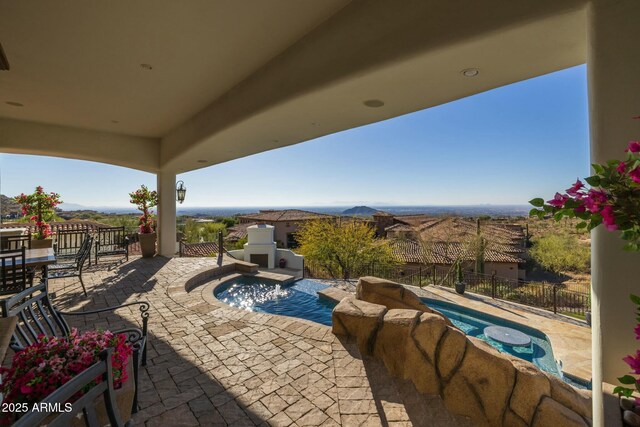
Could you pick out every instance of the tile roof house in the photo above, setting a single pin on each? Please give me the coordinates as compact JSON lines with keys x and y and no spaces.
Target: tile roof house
{"x":419,"y":239}
{"x":237,"y":232}
{"x":286,"y":223}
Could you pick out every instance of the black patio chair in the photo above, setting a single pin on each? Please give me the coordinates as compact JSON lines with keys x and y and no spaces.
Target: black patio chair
{"x":14,"y":277}
{"x":37,"y":316}
{"x":86,"y":404}
{"x":68,"y":244}
{"x":111,"y":241}
{"x":74,"y":267}
{"x":15,"y":242}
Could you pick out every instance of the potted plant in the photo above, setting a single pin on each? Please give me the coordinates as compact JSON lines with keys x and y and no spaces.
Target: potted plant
{"x":39,"y":207}
{"x":43,"y":367}
{"x":144,"y":201}
{"x":460,"y":285}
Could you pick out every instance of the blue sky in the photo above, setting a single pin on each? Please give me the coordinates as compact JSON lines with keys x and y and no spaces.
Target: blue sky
{"x":504,"y":146}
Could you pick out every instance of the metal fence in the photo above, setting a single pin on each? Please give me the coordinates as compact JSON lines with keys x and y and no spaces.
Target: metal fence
{"x":89,"y":227}
{"x":548,"y":296}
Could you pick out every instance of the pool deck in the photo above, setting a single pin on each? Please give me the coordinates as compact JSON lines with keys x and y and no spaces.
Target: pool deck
{"x":213,"y":365}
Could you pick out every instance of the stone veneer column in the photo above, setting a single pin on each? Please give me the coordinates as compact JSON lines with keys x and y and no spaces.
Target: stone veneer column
{"x":613,"y":62}
{"x":167,"y":213}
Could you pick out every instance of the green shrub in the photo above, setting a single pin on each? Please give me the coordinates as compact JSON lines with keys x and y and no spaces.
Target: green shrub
{"x":561,"y":252}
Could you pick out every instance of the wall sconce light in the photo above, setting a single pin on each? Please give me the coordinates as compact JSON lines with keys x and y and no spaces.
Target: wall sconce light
{"x":181,"y":191}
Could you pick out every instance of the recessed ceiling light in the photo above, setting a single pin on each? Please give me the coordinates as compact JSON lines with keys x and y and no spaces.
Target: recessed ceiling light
{"x":14,"y":104}
{"x":146,"y":66}
{"x":373,"y":103}
{"x":203,"y":161}
{"x":470,"y":72}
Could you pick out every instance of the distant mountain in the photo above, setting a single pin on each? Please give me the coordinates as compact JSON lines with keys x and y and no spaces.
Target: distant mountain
{"x":360,"y":210}
{"x":72,"y":207}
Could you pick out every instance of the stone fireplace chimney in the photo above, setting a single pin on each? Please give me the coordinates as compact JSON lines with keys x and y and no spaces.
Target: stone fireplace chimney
{"x":260,"y":247}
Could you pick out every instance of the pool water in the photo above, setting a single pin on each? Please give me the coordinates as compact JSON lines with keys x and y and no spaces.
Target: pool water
{"x":472,"y":323}
{"x":299,"y":299}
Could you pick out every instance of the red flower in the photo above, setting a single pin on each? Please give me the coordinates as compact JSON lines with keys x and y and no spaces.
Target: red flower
{"x":43,"y":367}
{"x":558,"y":200}
{"x":634,"y":147}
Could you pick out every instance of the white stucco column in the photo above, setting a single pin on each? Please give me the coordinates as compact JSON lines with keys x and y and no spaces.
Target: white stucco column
{"x":614,"y":98}
{"x":167,"y":213}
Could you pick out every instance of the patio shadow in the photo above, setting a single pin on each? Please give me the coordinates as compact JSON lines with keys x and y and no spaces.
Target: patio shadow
{"x":175,"y":390}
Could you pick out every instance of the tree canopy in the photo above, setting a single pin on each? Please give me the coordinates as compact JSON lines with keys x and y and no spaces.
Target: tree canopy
{"x":343,"y":249}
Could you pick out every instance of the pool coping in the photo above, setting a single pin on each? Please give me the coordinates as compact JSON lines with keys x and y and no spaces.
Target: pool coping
{"x":204,"y":282}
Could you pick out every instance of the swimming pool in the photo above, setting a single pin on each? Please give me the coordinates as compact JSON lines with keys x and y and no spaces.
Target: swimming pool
{"x":473,"y":323}
{"x":300,"y":299}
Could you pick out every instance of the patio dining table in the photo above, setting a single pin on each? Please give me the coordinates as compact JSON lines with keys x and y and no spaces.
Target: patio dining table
{"x":34,"y":258}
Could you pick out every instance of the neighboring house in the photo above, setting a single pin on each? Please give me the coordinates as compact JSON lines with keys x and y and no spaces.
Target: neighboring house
{"x":286,"y":223}
{"x":422,"y":240}
{"x":237,"y":232}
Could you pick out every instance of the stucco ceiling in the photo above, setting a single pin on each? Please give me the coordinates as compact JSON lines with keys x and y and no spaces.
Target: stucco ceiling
{"x":234,"y":78}
{"x":78,"y":63}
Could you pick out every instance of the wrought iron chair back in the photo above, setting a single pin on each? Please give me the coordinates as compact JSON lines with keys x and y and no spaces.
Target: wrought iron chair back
{"x":73,"y":269}
{"x":86,"y":404}
{"x":36,"y":316}
{"x":15,"y":242}
{"x":111,"y":241}
{"x":13,"y":273}
{"x":69,"y":243}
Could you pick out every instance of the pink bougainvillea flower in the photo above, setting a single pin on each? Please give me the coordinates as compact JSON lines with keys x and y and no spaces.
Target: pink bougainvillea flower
{"x":573,"y":191}
{"x":558,"y":200}
{"x":634,"y":147}
{"x":637,"y":331}
{"x":634,"y":362}
{"x":635,"y":174}
{"x":608,"y":219}
{"x":580,"y":209}
{"x":594,"y":200}
{"x":622,"y":167}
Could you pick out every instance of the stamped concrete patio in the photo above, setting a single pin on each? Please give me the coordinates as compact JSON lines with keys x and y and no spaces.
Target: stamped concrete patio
{"x":213,"y":365}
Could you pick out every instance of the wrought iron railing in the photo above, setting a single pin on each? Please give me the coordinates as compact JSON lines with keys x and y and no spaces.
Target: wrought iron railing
{"x":547,"y":296}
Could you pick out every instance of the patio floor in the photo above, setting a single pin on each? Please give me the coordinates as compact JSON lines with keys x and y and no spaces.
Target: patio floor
{"x":215,"y":366}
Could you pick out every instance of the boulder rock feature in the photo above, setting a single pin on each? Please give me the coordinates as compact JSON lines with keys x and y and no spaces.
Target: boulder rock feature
{"x":360,"y":319}
{"x":553,"y":414}
{"x":529,"y":389}
{"x":391,"y":295}
{"x":473,"y":378}
{"x":391,"y":342}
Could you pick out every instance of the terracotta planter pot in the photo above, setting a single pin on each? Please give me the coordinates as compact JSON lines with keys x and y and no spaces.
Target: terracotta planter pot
{"x":147,"y":244}
{"x":41,"y":244}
